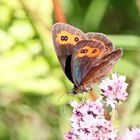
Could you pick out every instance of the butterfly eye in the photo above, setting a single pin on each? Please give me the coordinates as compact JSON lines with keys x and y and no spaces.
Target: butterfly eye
{"x":94,"y":51}
{"x":76,"y":39}
{"x":84,"y":51}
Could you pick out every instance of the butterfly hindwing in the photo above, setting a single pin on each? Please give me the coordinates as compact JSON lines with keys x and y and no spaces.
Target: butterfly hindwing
{"x":90,"y":62}
{"x":87,"y":54}
{"x":98,"y":72}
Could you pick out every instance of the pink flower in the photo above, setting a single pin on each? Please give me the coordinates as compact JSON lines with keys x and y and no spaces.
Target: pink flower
{"x":133,"y":134}
{"x":88,"y":122}
{"x":70,"y":136}
{"x":114,"y":90}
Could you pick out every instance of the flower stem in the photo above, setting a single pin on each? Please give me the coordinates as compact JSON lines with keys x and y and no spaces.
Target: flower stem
{"x":93,"y":95}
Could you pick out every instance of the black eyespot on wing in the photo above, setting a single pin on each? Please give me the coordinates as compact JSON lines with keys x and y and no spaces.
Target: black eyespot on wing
{"x":84,"y":51}
{"x":94,"y":51}
{"x":76,"y":39}
{"x":65,"y":38}
{"x":62,"y":38}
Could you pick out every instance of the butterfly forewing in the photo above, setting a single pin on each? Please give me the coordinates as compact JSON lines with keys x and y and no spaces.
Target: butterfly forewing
{"x":103,"y":39}
{"x":64,"y":38}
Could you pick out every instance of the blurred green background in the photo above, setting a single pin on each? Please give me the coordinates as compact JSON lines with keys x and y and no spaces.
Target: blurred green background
{"x":33,"y":88}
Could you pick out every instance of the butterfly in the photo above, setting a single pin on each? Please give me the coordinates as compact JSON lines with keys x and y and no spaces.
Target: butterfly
{"x":86,"y":58}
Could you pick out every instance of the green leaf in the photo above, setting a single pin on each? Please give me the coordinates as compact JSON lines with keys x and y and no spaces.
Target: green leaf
{"x":95,"y":14}
{"x":133,"y":101}
{"x":128,"y":42}
{"x":127,"y":68}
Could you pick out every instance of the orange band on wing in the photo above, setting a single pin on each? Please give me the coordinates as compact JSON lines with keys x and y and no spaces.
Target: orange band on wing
{"x":89,"y":52}
{"x":65,"y":37}
{"x":107,"y":49}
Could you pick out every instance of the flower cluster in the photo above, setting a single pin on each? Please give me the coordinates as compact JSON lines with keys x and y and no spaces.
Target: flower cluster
{"x":114,"y":90}
{"x":88,"y":122}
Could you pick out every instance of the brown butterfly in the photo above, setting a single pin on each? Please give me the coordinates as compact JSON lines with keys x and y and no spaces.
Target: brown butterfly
{"x":85,"y":58}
